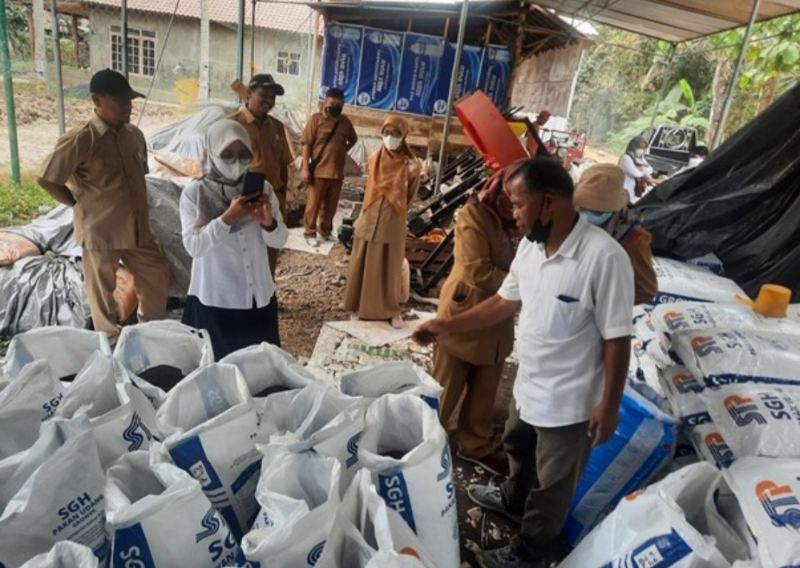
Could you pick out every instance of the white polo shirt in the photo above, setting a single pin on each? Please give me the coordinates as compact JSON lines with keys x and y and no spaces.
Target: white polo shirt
{"x":571,"y":302}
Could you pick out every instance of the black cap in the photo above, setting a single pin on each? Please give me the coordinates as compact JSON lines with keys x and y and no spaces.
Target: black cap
{"x":109,"y":82}
{"x":265,"y":80}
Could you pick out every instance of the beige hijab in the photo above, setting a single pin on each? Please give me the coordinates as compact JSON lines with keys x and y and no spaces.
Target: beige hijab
{"x":390,"y":173}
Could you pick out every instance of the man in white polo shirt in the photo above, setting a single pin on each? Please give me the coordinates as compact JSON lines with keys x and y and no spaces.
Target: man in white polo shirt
{"x":574,"y":285}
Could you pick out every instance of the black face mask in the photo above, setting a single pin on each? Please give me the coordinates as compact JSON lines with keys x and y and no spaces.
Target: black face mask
{"x":335,"y":111}
{"x":540,"y":232}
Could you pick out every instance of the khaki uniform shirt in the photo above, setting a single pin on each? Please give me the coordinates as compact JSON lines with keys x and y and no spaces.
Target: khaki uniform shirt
{"x":317,"y":131}
{"x":271,"y":152}
{"x":380,"y":222}
{"x":105,"y":170}
{"x":644,"y":276}
{"x":473,"y":279}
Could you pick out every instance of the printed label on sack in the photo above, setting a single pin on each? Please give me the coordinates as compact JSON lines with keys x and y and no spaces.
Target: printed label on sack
{"x":781,"y":504}
{"x":394,"y":491}
{"x":49,"y":408}
{"x":657,"y":552}
{"x":444,"y":475}
{"x":131,"y":549}
{"x":352,"y":450}
{"x":82,"y":520}
{"x":137,"y":433}
{"x":315,"y":553}
{"x":719,"y":449}
{"x":191,"y":457}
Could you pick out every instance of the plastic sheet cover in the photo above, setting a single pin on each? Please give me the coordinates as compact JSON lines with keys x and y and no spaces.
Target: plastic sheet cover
{"x":51,"y":232}
{"x":742,"y":203}
{"x":42,"y":290}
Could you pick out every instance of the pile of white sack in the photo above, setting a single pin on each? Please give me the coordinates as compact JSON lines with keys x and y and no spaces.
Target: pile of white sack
{"x":730,"y":378}
{"x":152,"y":456}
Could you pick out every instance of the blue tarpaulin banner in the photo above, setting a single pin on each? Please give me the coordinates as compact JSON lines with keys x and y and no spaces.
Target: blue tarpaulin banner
{"x":468,"y":74}
{"x":380,"y":69}
{"x":496,"y":74}
{"x":408,"y":72}
{"x":341,"y":59}
{"x":419,"y":74}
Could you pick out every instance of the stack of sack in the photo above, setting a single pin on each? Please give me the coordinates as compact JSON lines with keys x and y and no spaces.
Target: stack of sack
{"x":731,"y":379}
{"x":154,"y":455}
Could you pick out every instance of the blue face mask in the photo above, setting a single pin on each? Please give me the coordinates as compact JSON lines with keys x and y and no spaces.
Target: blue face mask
{"x":595,"y":218}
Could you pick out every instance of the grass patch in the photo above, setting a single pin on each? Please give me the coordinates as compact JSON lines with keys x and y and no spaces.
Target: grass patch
{"x":21,"y":204}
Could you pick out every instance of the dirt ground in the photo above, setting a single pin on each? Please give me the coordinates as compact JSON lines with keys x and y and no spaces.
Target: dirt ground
{"x":37,"y":123}
{"x":599,"y":156}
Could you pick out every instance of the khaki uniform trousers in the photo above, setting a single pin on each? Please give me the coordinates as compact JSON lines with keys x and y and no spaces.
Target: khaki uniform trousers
{"x":272,"y":254}
{"x":150,"y":276}
{"x":545,"y":466}
{"x":478,"y":384}
{"x":321,"y":204}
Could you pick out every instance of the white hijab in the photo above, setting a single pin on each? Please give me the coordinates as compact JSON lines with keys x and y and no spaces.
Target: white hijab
{"x":217,"y":190}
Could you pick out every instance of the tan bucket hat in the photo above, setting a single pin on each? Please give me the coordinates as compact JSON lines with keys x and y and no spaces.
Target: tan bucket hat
{"x":601,"y":189}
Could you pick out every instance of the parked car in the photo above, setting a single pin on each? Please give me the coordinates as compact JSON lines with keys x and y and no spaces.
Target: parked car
{"x":668,"y":147}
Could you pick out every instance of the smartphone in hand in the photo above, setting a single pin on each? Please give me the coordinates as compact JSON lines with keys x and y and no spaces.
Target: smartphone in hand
{"x":253,"y":188}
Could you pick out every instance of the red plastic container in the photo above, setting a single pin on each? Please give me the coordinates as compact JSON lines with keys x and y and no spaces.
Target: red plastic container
{"x":489,"y":131}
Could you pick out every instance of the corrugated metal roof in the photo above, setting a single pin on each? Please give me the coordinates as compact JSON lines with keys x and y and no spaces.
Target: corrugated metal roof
{"x":275,"y":16}
{"x":671,"y":20}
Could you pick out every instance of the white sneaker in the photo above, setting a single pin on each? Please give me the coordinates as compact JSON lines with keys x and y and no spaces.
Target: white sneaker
{"x":397,"y":322}
{"x":328,"y":238}
{"x":354,"y":316}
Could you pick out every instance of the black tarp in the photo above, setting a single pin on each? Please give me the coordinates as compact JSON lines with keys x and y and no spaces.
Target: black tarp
{"x":742,"y":203}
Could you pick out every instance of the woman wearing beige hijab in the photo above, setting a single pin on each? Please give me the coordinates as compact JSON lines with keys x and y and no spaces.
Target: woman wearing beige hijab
{"x":374,"y":278}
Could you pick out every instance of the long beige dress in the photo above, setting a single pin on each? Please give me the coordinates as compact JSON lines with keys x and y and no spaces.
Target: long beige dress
{"x":374,"y":277}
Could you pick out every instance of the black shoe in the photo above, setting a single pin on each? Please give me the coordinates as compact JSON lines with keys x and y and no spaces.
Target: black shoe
{"x":491,"y":497}
{"x":510,"y":556}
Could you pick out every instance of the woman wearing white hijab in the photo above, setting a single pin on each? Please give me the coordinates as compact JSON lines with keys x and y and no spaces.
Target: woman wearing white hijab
{"x":231,"y":294}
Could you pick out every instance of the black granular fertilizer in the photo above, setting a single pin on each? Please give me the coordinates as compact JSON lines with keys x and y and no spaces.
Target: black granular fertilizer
{"x":395,"y":455}
{"x":68,"y":378}
{"x":271,"y":390}
{"x":162,"y":376}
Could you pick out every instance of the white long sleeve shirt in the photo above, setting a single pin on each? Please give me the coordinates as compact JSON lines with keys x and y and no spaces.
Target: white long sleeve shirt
{"x":632,"y":171}
{"x":229,"y":268}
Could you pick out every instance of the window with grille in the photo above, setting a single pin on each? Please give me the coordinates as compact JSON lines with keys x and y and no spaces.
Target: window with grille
{"x":288,"y":63}
{"x":141,"y":51}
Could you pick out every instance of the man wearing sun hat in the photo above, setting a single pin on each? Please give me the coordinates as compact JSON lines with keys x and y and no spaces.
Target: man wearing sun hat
{"x":601,"y":199}
{"x":99,"y":170}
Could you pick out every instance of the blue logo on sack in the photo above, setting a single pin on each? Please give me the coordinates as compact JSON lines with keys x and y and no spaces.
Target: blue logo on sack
{"x":352,"y":449}
{"x":134,"y":438}
{"x":210,"y":525}
{"x":446,"y":464}
{"x":315,"y":553}
{"x":394,"y":491}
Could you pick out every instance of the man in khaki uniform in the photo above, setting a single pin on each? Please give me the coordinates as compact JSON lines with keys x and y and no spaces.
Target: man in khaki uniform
{"x":99,"y":170}
{"x":271,"y":152}
{"x":327,"y":138}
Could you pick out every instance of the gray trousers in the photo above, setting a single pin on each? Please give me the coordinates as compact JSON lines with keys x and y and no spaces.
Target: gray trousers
{"x":545,"y":466}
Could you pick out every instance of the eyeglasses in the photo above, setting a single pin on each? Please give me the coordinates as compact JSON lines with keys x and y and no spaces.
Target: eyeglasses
{"x":231,"y":158}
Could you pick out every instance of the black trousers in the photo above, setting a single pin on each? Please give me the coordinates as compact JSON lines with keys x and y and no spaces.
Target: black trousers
{"x":231,"y":330}
{"x":545,"y":466}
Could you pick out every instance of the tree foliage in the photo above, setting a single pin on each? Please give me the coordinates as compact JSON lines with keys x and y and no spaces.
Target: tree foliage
{"x":628,"y":81}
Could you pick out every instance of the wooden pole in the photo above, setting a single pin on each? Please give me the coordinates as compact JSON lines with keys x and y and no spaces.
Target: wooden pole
{"x":205,"y":52}
{"x":76,"y":40}
{"x":31,"y":33}
{"x":40,"y":61}
{"x":124,"y":28}
{"x":57,"y":65}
